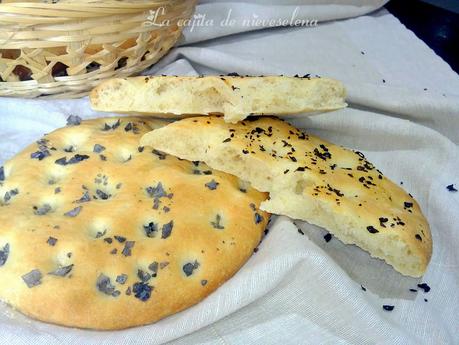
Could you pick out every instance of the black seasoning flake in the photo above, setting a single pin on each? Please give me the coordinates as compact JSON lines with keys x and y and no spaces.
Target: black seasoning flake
{"x":322,"y":155}
{"x":61,"y":161}
{"x":10,"y":194}
{"x":99,"y":234}
{"x":363,"y":288}
{"x":424,"y":287}
{"x":2,"y":174}
{"x":77,"y":158}
{"x":216,"y":224}
{"x":212,"y":185}
{"x":203,"y":282}
{"x":103,"y":158}
{"x":98,"y":148}
{"x":143,"y":276}
{"x":157,"y":192}
{"x":153,"y":267}
{"x":122,"y":278}
{"x":4,"y":252}
{"x":142,"y":291}
{"x":40,"y":155}
{"x":450,"y":188}
{"x":128,"y":127}
{"x":57,"y":190}
{"x":258,"y":218}
{"x":418,"y":237}
{"x":407,"y":204}
{"x":74,"y":160}
{"x":372,"y":230}
{"x":190,"y":267}
{"x":382,"y":221}
{"x":41,"y":211}
{"x":52,"y":241}
{"x":293,"y":159}
{"x":73,"y":120}
{"x":127,"y":248}
{"x":114,"y":251}
{"x":85,"y":198}
{"x":328,"y":237}
{"x":413,"y":290}
{"x":140,"y":149}
{"x":167,"y":229}
{"x":75,"y":212}
{"x":104,"y":285}
{"x":120,"y":239}
{"x":112,"y":127}
{"x":33,"y":278}
{"x":360,"y":154}
{"x":388,"y":307}
{"x":102,"y":195}
{"x":150,"y":229}
{"x":160,"y":155}
{"x":227,"y":140}
{"x":108,"y":240}
{"x":334,"y":190}
{"x":62,"y":271}
{"x":246,"y":152}
{"x":300,"y":231}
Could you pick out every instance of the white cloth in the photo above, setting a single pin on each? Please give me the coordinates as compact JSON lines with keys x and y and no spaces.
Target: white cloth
{"x":298,"y":289}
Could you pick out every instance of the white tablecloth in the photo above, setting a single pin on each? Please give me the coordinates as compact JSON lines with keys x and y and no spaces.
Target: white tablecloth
{"x":298,"y":289}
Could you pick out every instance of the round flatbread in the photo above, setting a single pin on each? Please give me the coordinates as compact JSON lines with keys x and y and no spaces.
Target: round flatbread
{"x":97,"y":232}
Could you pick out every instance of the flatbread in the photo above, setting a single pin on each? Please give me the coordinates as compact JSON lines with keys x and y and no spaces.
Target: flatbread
{"x":310,"y":179}
{"x":97,"y":232}
{"x":234,"y":96}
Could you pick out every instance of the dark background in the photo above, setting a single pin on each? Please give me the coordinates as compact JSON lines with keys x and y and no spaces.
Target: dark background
{"x":436,"y":22}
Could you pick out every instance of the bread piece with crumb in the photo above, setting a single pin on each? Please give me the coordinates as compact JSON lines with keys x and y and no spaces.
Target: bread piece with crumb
{"x":234,"y":96}
{"x":310,"y":179}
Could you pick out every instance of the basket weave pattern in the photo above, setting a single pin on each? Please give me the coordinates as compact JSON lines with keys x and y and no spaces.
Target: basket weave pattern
{"x":62,"y":49}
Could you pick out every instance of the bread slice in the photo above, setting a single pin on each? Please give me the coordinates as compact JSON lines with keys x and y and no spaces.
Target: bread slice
{"x":309,"y":179}
{"x":234,"y":96}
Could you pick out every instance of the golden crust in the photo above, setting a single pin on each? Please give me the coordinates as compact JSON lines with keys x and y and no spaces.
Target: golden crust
{"x":310,"y":179}
{"x":42,"y":227}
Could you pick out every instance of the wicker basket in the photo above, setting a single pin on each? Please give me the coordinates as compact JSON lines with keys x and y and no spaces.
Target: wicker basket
{"x":62,"y":49}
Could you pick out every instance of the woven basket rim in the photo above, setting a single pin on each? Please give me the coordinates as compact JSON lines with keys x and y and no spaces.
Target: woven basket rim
{"x":65,"y":49}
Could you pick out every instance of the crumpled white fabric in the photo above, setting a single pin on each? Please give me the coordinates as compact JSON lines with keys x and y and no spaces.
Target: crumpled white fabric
{"x":298,"y":289}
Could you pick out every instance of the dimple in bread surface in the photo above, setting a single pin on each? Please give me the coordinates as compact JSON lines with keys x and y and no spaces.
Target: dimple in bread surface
{"x":97,"y":232}
{"x":234,"y":96}
{"x":310,"y":179}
